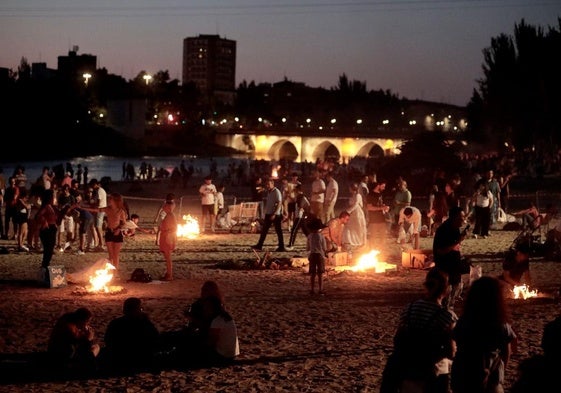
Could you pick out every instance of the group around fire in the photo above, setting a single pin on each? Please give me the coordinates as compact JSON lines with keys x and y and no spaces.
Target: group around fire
{"x":465,"y":353}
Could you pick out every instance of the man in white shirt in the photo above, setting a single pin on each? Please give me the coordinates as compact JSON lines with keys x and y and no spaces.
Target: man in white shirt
{"x":331,"y":194}
{"x":409,"y":225}
{"x":318,"y":195}
{"x":207,"y":191}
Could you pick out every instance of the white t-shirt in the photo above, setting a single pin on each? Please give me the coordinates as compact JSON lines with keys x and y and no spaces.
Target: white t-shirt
{"x":207,"y":192}
{"x":227,"y":344}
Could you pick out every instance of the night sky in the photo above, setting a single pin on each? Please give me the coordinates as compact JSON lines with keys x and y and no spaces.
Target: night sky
{"x":430,"y":50}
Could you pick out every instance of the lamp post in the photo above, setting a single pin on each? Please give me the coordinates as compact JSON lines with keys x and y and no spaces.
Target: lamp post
{"x":147,"y":78}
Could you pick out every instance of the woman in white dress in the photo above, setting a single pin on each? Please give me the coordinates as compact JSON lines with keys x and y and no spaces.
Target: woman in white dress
{"x":354,"y":235}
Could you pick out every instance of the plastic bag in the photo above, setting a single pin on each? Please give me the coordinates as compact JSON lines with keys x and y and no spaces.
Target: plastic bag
{"x":501,"y":216}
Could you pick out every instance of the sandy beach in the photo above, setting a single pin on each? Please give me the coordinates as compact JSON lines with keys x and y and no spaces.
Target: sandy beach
{"x":290,"y":341}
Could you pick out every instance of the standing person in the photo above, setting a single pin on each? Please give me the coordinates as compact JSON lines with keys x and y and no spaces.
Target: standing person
{"x":331,"y":195}
{"x":446,"y":251}
{"x":131,"y":340}
{"x":46,"y":219}
{"x":273,"y":216}
{"x":258,"y":194}
{"x":485,"y":339}
{"x":86,"y":225}
{"x":355,"y":230}
{"x":483,"y":201}
{"x":317,"y":252}
{"x":363,"y":190}
{"x":160,"y":215}
{"x":318,"y":195}
{"x":219,"y":206}
{"x":207,"y":192}
{"x":402,"y":198}
{"x":291,"y":199}
{"x":99,"y":203}
{"x":302,"y":206}
{"x":168,"y":238}
{"x":116,"y":219}
{"x":11,"y":195}
{"x":21,"y":218}
{"x":423,"y":344}
{"x":495,"y":188}
{"x":377,"y":210}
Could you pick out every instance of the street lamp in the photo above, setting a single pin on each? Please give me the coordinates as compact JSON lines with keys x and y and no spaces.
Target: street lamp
{"x":147,"y":78}
{"x":87,"y":77}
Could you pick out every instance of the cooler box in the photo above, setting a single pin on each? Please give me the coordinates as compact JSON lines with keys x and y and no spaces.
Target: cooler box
{"x":417,"y":259}
{"x":340,"y":258}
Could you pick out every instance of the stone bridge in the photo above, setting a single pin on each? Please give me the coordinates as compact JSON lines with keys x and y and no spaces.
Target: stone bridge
{"x":300,"y":148}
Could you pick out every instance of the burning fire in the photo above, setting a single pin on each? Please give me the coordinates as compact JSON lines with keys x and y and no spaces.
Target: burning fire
{"x":370,"y":261}
{"x":190,"y":229}
{"x":524,"y":292}
{"x":101,"y":278}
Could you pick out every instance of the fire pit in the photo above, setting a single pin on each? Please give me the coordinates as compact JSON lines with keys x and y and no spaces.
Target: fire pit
{"x":369,"y":262}
{"x":100,"y":281}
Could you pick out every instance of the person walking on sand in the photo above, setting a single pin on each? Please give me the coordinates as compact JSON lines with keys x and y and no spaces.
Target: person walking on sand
{"x":273,"y":216}
{"x":316,"y":246}
{"x":168,"y":238}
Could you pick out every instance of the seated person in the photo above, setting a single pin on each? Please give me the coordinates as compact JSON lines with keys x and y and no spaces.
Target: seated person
{"x":222,"y":344}
{"x":72,"y":348}
{"x":333,"y":232}
{"x":192,"y":337}
{"x":516,"y":267}
{"x":131,"y":340}
{"x":409,"y":223}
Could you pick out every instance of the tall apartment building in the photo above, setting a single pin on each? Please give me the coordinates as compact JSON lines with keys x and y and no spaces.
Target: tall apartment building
{"x":210,"y":62}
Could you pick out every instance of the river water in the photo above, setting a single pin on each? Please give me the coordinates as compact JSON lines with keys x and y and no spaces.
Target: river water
{"x":105,"y":166}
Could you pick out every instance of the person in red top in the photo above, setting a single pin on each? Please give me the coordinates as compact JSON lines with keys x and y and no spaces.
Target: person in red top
{"x":46,"y":219}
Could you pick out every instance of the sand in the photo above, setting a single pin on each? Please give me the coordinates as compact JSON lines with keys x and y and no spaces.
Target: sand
{"x":290,"y":341}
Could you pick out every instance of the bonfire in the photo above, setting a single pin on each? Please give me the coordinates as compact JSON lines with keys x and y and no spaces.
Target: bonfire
{"x":190,"y":229}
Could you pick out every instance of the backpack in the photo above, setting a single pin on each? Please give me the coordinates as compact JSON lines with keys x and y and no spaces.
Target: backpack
{"x":139,"y":275}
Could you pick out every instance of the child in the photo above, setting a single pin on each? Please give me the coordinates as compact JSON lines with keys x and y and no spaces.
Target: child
{"x":219,"y":208}
{"x":131,"y":226}
{"x":317,"y":251}
{"x":168,"y":237}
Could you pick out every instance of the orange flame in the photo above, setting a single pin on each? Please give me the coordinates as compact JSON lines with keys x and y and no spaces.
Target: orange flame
{"x":101,"y":278}
{"x":370,"y":261}
{"x":524,"y":292}
{"x":190,"y":229}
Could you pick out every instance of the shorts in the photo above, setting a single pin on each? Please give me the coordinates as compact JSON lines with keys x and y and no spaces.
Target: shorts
{"x":207,"y":209}
{"x":99,"y":217}
{"x":110,"y":236}
{"x":317,"y":263}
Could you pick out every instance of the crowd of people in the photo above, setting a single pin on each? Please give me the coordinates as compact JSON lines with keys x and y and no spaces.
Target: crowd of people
{"x":132,"y":343}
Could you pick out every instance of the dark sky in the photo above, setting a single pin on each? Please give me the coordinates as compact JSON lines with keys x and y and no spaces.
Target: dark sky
{"x":426,"y":49}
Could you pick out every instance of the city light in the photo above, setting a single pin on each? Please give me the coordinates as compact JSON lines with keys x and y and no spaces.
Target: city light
{"x":87,"y":77}
{"x":147,"y":78}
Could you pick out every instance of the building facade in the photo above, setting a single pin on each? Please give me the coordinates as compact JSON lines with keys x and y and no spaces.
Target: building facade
{"x":210,"y":63}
